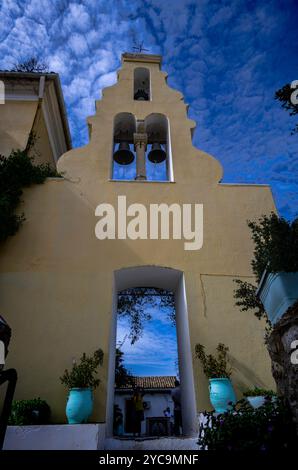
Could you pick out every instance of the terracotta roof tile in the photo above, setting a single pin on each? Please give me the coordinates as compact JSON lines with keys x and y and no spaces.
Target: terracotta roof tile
{"x":153,"y":382}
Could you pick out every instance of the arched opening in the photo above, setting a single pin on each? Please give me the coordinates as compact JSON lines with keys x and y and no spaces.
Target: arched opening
{"x":171,"y":280}
{"x":123,"y":161}
{"x":141,"y":84}
{"x":158,"y":156}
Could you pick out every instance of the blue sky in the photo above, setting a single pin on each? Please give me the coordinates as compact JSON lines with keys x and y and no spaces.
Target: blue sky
{"x":155,"y":353}
{"x":227,"y":57}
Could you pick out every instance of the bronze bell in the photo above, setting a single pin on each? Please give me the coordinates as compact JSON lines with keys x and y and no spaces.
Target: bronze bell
{"x":157,"y":154}
{"x":124,"y":156}
{"x":141,"y":95}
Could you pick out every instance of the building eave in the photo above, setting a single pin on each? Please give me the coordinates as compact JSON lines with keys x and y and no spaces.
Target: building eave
{"x":49,"y":76}
{"x":145,"y":390}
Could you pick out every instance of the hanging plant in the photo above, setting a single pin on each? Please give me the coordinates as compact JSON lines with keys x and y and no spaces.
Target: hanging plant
{"x":276,"y":250}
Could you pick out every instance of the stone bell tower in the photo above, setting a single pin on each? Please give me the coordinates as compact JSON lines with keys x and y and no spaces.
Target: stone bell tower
{"x":140,"y":147}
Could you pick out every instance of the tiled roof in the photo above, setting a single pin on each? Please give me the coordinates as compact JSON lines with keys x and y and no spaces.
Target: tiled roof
{"x":153,"y":382}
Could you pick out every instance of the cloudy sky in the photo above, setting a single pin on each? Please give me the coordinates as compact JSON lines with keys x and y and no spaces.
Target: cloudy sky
{"x":155,"y":353}
{"x":228,"y":57}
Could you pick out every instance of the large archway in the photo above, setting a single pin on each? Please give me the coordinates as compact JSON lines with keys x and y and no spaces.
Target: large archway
{"x":169,"y":279}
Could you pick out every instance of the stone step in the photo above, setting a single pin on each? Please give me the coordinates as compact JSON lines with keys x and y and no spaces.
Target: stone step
{"x":158,"y":443}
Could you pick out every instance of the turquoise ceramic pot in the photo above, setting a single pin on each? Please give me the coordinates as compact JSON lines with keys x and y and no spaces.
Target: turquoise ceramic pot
{"x":79,"y":405}
{"x":278,"y":292}
{"x":221,"y":393}
{"x":256,"y":402}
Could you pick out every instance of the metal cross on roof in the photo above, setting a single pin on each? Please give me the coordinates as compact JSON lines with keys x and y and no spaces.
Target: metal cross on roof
{"x":139,"y":47}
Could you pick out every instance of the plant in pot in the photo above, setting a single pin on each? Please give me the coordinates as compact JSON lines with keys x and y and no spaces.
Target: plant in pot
{"x":256,"y":397}
{"x":218,"y":372}
{"x":81,"y":381}
{"x":275,"y":266}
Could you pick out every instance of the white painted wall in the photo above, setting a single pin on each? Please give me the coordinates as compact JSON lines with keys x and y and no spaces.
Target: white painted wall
{"x":159,"y":402}
{"x":55,"y":437}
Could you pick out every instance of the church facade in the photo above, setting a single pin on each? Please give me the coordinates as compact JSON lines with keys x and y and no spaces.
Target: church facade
{"x":59,"y":281}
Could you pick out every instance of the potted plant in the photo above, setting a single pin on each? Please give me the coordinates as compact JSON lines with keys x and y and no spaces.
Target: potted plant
{"x":218,"y":372}
{"x":275,"y":266}
{"x":81,"y":382}
{"x":256,"y":397}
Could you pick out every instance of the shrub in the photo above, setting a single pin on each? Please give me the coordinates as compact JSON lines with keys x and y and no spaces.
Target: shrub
{"x":214,"y":367}
{"x":242,"y":428}
{"x":26,"y":412}
{"x":256,"y":392}
{"x":82,"y":374}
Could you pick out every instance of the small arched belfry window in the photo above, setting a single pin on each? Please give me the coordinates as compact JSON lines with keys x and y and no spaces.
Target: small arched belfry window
{"x":141,"y":84}
{"x":124,"y":163}
{"x":158,"y":152}
{"x":142,"y":148}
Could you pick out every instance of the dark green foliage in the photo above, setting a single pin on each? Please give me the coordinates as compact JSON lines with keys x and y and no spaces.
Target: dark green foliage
{"x":122,"y":375}
{"x":214,"y":367}
{"x":245,"y":294}
{"x":276,"y":245}
{"x":257,"y":392}
{"x":275,"y":249}
{"x":135,"y":304}
{"x":26,"y":412}
{"x":16,"y":172}
{"x":284,"y":96}
{"x":82,"y":374}
{"x":241,"y":428}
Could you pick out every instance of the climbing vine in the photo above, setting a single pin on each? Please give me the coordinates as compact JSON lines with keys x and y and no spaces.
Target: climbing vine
{"x":17,"y":171}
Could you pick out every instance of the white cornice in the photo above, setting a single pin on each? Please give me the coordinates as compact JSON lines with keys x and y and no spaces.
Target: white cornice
{"x":18,"y":97}
{"x":53,"y":121}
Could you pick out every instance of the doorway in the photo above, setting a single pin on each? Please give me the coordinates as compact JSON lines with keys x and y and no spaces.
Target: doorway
{"x":171,"y":280}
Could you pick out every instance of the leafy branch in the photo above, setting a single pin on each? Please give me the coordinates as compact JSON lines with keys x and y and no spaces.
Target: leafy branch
{"x":284,"y":96}
{"x":82,"y":374}
{"x":135,"y":303}
{"x":214,"y":367}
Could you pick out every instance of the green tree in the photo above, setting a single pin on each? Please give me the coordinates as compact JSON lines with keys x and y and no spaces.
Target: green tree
{"x":285,"y":96}
{"x":122,"y":375}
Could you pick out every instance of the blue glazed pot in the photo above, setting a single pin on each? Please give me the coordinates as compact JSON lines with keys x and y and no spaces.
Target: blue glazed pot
{"x":277,"y":293}
{"x":256,"y":402}
{"x":221,"y":393}
{"x":79,"y":405}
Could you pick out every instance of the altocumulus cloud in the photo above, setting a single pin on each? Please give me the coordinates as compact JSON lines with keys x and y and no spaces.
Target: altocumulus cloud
{"x":155,"y":353}
{"x":227,"y":57}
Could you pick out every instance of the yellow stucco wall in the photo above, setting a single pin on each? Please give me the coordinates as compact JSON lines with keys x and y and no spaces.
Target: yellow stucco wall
{"x":16,"y":119}
{"x":56,"y":277}
{"x":42,"y":151}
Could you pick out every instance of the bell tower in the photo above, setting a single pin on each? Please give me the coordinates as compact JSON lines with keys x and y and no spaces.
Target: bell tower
{"x":141,"y":131}
{"x":141,"y":146}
